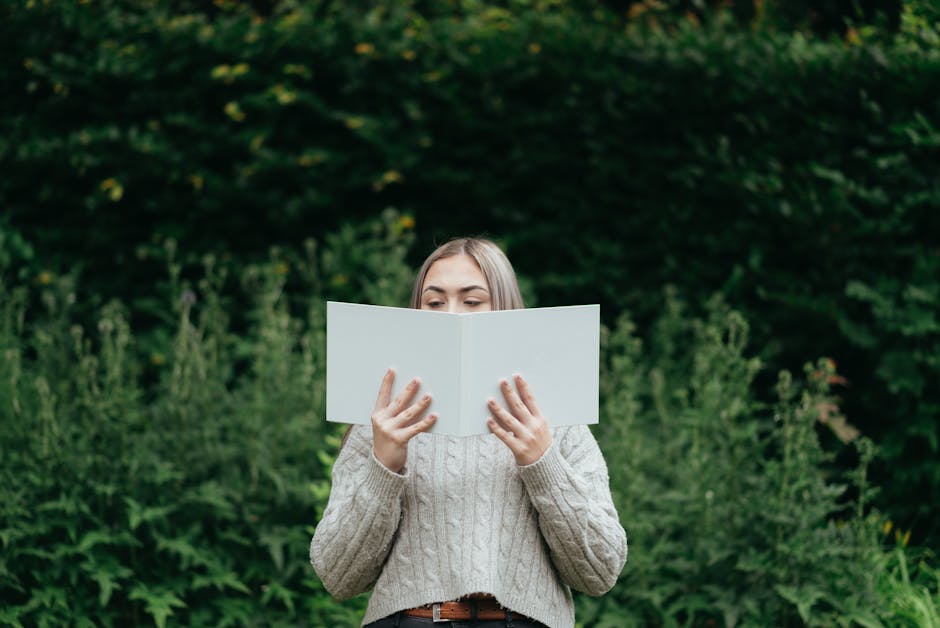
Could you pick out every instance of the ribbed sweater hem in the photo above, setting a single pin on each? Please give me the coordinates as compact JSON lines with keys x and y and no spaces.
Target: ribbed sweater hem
{"x":552,"y":617}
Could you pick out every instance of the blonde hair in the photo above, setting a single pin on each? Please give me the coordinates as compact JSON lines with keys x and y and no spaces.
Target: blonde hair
{"x":500,"y":276}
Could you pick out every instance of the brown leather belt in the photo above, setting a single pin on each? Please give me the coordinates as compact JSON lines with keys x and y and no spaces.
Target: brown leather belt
{"x":463,"y":610}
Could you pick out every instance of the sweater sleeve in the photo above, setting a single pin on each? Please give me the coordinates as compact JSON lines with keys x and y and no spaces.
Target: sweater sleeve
{"x":569,"y":488}
{"x":353,"y":539}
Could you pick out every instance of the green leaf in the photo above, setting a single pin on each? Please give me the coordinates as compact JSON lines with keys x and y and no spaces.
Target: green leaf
{"x":92,"y":538}
{"x":803,"y":598}
{"x":276,"y":591}
{"x":219,"y":577}
{"x":107,"y":572}
{"x":138,"y":514}
{"x":183,"y":547}
{"x":275,"y":541}
{"x":159,"y":603}
{"x":10,"y":616}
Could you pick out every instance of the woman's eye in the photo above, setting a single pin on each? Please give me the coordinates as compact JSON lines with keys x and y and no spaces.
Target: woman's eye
{"x":435,"y":304}
{"x":472,"y":303}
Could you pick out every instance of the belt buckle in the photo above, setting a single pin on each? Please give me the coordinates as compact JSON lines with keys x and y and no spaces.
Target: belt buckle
{"x":436,"y":614}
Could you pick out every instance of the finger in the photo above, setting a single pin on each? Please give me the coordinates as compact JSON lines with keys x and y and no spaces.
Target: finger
{"x":504,"y":418}
{"x":421,"y":426}
{"x":416,"y":410}
{"x":403,"y":398}
{"x":525,"y":393}
{"x":385,"y":390}
{"x":502,"y":434}
{"x":516,"y":406}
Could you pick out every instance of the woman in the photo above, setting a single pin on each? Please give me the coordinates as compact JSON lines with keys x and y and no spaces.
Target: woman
{"x":493,"y":528}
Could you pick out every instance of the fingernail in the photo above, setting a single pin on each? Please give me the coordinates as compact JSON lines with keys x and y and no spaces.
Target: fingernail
{"x":504,"y":382}
{"x":426,"y":397}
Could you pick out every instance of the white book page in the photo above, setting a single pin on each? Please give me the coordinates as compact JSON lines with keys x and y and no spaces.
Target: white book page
{"x":461,"y":358}
{"x":363,"y":341}
{"x":556,"y":350}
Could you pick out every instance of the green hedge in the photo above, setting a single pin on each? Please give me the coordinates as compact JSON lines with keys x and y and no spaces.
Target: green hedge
{"x":794,"y":175}
{"x":183,"y":479}
{"x":181,"y":487}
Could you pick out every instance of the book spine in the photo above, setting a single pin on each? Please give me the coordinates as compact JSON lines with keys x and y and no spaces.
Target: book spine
{"x":465,"y":351}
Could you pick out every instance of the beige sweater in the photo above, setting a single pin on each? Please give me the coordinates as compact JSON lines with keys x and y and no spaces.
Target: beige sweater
{"x":463,"y":518}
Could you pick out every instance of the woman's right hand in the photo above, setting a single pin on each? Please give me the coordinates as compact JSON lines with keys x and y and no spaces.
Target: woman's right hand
{"x":394,"y":422}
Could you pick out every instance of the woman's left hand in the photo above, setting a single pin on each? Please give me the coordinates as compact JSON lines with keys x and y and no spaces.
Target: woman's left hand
{"x":522,"y":427}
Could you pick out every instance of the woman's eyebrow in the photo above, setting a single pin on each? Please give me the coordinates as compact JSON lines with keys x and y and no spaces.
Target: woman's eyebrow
{"x":473,"y":287}
{"x":464,"y":289}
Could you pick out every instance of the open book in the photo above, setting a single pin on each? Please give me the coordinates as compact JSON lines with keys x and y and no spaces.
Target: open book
{"x":460,"y":359}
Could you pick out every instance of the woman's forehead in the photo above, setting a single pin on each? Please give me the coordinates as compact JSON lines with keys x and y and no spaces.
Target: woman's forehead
{"x":457,"y":270}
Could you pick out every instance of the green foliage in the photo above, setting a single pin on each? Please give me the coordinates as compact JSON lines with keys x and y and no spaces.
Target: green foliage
{"x":795,"y":175}
{"x":899,"y":324}
{"x":734,"y":513}
{"x":189,"y":500}
{"x":913,"y":601}
{"x":15,"y":251}
{"x":180,"y":485}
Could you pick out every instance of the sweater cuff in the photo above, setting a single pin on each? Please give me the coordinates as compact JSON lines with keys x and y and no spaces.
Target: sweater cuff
{"x":381,"y":482}
{"x":546,"y":473}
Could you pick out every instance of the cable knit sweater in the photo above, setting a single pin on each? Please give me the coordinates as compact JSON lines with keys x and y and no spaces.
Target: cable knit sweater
{"x":462,"y":518}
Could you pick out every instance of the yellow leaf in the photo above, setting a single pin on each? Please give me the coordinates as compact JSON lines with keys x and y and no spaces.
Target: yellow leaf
{"x":297,"y":69}
{"x":354,"y":123}
{"x":113,"y":188}
{"x":283,"y":95}
{"x":392,"y":176}
{"x":852,"y":37}
{"x":234,"y":111}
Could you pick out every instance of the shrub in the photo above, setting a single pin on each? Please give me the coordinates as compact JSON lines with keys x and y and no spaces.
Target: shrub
{"x":179,"y":482}
{"x":190,"y":500}
{"x":793,"y":174}
{"x":735,"y":513}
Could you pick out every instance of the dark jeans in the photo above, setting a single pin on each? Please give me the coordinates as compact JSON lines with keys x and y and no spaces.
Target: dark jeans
{"x":398,"y":620}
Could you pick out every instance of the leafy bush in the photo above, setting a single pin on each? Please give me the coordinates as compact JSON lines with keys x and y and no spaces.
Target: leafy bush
{"x":734,"y":513}
{"x":178,"y":483}
{"x":795,"y":175}
{"x":192,"y":498}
